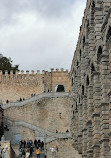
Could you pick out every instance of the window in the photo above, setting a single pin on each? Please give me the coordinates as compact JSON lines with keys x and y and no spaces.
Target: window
{"x":108,"y":34}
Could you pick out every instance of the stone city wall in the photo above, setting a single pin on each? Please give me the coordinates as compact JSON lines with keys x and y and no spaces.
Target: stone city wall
{"x":91,"y":83}
{"x":50,"y":112}
{"x":20,"y":85}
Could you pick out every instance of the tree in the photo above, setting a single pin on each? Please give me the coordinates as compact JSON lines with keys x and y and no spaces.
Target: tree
{"x":6,"y":64}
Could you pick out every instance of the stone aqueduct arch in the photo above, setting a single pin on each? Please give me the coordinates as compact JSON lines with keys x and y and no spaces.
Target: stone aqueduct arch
{"x":93,"y":79}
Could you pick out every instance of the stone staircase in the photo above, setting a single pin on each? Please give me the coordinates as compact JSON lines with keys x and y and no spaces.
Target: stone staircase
{"x":58,"y":136}
{"x":37,"y":97}
{"x":43,"y":133}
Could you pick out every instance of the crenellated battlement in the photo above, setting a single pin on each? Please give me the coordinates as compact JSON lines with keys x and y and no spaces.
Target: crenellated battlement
{"x":22,"y":72}
{"x":59,"y":70}
{"x":38,"y":72}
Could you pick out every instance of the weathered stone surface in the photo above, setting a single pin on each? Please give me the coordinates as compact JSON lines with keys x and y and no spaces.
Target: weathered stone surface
{"x":94,"y":81}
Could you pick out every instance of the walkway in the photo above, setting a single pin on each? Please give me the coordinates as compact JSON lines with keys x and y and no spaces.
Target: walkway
{"x":37,"y":97}
{"x":45,"y":134}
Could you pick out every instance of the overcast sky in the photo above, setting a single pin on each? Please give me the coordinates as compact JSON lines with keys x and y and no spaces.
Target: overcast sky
{"x":40,"y":34}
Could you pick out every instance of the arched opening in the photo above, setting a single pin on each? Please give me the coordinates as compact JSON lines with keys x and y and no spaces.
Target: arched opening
{"x":93,"y":4}
{"x":87,"y":29}
{"x":99,"y":52}
{"x":92,"y":68}
{"x":84,"y":41}
{"x":76,"y":105}
{"x":72,"y":81}
{"x":60,"y":88}
{"x":108,"y":34}
{"x":87,"y":24}
{"x":92,"y":10}
{"x":77,"y":63}
{"x":87,"y":81}
{"x":75,"y":72}
{"x":79,"y":99}
{"x":82,"y":90}
{"x":73,"y":113}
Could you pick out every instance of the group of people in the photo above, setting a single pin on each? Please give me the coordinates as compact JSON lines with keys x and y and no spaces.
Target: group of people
{"x":26,"y":148}
{"x":20,"y":100}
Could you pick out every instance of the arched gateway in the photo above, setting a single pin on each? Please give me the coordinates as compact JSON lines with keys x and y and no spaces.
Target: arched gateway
{"x":60,"y":88}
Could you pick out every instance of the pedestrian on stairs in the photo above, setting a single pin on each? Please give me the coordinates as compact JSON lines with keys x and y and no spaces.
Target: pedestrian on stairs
{"x":38,"y":153}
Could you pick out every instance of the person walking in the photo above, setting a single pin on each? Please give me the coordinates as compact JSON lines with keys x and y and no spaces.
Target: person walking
{"x":38,"y":153}
{"x":35,"y":143}
{"x":31,"y":151}
{"x":24,"y":143}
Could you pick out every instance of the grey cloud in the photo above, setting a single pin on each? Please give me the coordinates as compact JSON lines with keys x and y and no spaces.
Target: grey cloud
{"x":36,"y":47}
{"x":50,"y":8}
